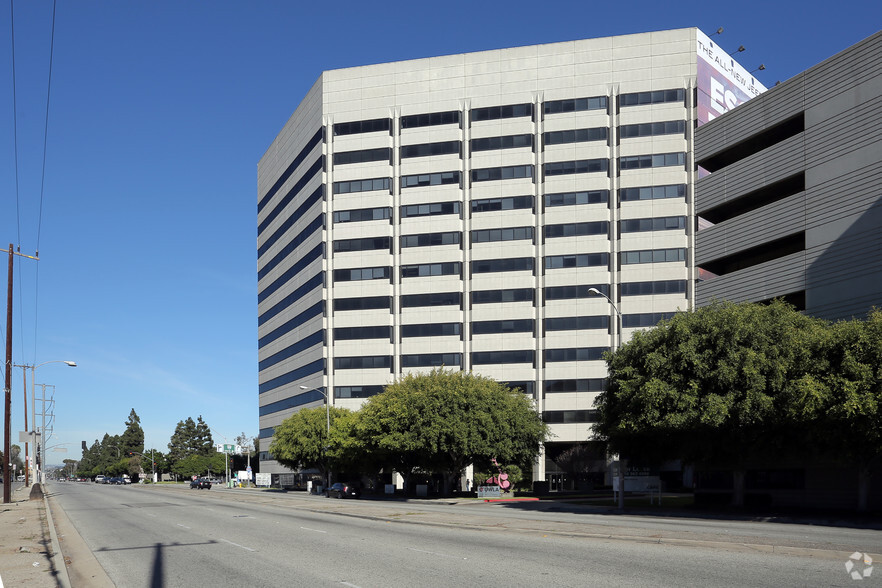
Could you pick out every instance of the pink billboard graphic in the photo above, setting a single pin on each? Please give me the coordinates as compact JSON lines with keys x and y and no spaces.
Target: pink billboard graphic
{"x":722,"y":82}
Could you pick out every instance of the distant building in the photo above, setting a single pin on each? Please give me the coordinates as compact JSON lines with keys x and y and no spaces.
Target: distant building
{"x":456,"y":211}
{"x":793,"y":206}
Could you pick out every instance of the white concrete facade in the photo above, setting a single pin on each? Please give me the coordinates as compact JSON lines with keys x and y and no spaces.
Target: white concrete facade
{"x":588,"y":204}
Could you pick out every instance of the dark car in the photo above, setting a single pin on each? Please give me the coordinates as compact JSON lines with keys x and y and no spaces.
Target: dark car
{"x":201,"y":483}
{"x":116,"y":481}
{"x":341,"y":490}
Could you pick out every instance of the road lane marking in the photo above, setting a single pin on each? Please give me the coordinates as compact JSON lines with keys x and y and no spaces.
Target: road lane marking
{"x":185,"y":526}
{"x":350,"y":585}
{"x":436,"y":553}
{"x":237,"y":545}
{"x":314,"y":530}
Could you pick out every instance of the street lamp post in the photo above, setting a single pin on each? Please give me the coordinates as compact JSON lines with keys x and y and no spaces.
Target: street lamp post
{"x":33,"y":369}
{"x":328,"y":417}
{"x":617,"y":344}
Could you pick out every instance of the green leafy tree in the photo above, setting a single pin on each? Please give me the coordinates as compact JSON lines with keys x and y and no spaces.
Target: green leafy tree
{"x":182,"y":443}
{"x":132,"y":439}
{"x":89,"y":463}
{"x":203,"y":444}
{"x":301,"y":441}
{"x":442,"y":421}
{"x":718,"y":384}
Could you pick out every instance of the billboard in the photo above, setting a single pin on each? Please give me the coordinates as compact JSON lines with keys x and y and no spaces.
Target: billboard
{"x":722,"y":82}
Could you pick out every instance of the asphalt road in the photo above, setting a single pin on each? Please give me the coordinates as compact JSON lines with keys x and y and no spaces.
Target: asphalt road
{"x":146,"y":536}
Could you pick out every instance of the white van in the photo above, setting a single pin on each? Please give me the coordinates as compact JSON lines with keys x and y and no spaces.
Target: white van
{"x":99,"y":479}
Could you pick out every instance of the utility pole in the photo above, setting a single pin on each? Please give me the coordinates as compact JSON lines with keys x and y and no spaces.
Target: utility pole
{"x":7,"y":422}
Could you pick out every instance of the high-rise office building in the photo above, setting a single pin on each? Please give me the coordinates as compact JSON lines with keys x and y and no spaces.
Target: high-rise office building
{"x":458,"y":211}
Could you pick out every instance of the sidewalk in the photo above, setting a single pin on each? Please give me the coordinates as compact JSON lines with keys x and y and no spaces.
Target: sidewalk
{"x":26,"y":543}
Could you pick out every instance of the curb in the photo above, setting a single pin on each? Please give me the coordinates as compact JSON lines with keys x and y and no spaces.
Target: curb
{"x":57,"y":558}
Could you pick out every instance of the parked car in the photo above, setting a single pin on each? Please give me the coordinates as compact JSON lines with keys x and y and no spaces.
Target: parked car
{"x":117,"y":481}
{"x":341,"y":490}
{"x":99,"y":479}
{"x":201,"y":483}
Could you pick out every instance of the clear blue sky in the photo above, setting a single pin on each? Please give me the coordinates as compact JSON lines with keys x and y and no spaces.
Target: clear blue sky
{"x":159,"y":112}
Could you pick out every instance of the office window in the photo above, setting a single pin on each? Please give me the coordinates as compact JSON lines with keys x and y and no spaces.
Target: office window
{"x":583,"y":166}
{"x":363,"y":186}
{"x":363,"y":303}
{"x":576,"y":323}
{"x":428,"y":149}
{"x":670,"y":127}
{"x":436,"y":179}
{"x":430,"y":239}
{"x":651,"y":288}
{"x":432,"y":360}
{"x":510,"y":203}
{"x":432,"y":299}
{"x":575,"y":136}
{"x":497,"y":143}
{"x":576,"y":260}
{"x":657,"y":160}
{"x":662,"y":223}
{"x":362,"y":214}
{"x":363,"y":273}
{"x":503,"y":326}
{"x":502,"y":173}
{"x":576,"y":105}
{"x":577,"y":198}
{"x":653,"y":256}
{"x":499,"y":112}
{"x":433,"y":209}
{"x":573,"y":292}
{"x":432,"y":119}
{"x":510,"y":264}
{"x":576,"y":229}
{"x":363,"y":126}
{"x":365,"y":362}
{"x":359,"y":333}
{"x":363,"y":156}
{"x":432,"y":330}
{"x":503,"y":357}
{"x":364,"y":244}
{"x":652,"y":192}
{"x":431,"y":269}
{"x":645,"y":319}
{"x":510,"y":234}
{"x":499,"y":296}
{"x":655,"y":97}
{"x":525,"y":388}
{"x":571,"y":416}
{"x":580,"y":385}
{"x":357,"y":391}
{"x":575,"y":354}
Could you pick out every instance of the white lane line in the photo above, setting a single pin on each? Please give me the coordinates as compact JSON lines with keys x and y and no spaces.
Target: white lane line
{"x":313,"y":530}
{"x":185,"y":526}
{"x":237,"y":545}
{"x":351,"y":585}
{"x":436,"y":553}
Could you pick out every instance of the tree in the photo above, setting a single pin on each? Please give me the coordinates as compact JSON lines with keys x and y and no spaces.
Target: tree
{"x":302,"y":441}
{"x":719,"y":384}
{"x":203,"y":444}
{"x":181,"y":444}
{"x":442,"y":421}
{"x":132,"y":439}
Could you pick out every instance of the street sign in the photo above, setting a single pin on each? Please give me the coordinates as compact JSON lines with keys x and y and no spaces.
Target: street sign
{"x":229,"y":448}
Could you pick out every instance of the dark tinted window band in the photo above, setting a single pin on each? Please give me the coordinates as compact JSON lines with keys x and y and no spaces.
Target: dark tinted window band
{"x":295,"y":189}
{"x":509,"y":203}
{"x":503,"y":326}
{"x":316,"y":253}
{"x":292,"y":376}
{"x":316,"y":139}
{"x":581,"y":385}
{"x":577,"y":323}
{"x":499,"y":112}
{"x":429,"y":149}
{"x":361,"y":333}
{"x":575,"y":136}
{"x":363,"y":303}
{"x":357,"y":391}
{"x":414,"y":121}
{"x":573,"y":292}
{"x":316,"y":196}
{"x":314,"y":282}
{"x":366,"y":362}
{"x":499,"y":296}
{"x":363,"y":156}
{"x":316,"y":338}
{"x":671,"y":127}
{"x":647,"y":319}
{"x":576,"y":105}
{"x":584,"y":166}
{"x":292,"y":402}
{"x":362,"y":126}
{"x":650,"y":288}
{"x":509,"y":264}
{"x":316,"y":225}
{"x":506,"y":142}
{"x":432,"y":360}
{"x":432,"y":299}
{"x":576,"y":229}
{"x":576,"y":198}
{"x":431,"y":330}
{"x":503,"y":357}
{"x":315,"y":310}
{"x":575,"y":354}
{"x":655,"y":97}
{"x":502,"y":173}
{"x":652,"y":192}
{"x":364,"y":244}
{"x":432,"y":209}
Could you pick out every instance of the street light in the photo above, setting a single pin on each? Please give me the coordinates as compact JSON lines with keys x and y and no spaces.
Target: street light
{"x":34,"y":406}
{"x":328,"y":415}
{"x":618,"y":343}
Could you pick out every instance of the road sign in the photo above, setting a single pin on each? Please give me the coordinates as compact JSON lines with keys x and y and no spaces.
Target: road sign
{"x":229,"y":448}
